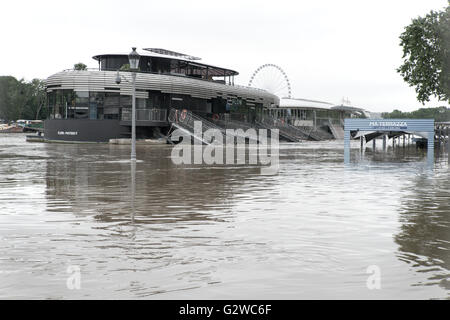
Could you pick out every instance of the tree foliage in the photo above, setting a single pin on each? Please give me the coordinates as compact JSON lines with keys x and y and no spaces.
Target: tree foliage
{"x":426,"y":54}
{"x":79,"y":66}
{"x":22,"y":100}
{"x":125,"y":67}
{"x":440,"y":114}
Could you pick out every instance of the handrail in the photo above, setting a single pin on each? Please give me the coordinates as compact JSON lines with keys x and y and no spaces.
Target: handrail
{"x":338,"y":134}
{"x":294,"y":133}
{"x":156,"y":115}
{"x":186,"y":118}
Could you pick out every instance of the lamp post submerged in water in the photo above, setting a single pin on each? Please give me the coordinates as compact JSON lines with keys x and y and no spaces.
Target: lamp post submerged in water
{"x":133,"y":58}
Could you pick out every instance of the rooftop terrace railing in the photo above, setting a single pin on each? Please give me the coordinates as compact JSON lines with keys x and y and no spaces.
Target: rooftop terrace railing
{"x":168,"y":74}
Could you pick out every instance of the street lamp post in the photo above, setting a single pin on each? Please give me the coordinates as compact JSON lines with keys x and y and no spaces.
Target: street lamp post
{"x":133,"y":58}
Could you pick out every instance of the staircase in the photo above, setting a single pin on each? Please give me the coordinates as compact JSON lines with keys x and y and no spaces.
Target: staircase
{"x":338,"y":131}
{"x":320,"y":134}
{"x":233,"y":124}
{"x":287,"y":131}
{"x":184,"y":120}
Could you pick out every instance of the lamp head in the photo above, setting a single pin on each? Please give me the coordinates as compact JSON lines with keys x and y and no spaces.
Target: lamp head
{"x":133,"y":58}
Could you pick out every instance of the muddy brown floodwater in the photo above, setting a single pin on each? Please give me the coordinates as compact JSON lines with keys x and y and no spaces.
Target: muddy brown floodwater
{"x":316,"y":230}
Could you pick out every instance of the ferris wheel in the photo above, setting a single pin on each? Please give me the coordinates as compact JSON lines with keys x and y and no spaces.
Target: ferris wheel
{"x":272,"y":78}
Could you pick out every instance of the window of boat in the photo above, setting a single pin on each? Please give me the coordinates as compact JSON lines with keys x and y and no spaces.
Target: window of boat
{"x":81,"y":109}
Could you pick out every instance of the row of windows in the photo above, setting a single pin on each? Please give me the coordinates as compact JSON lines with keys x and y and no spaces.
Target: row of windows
{"x":307,"y":114}
{"x":160,"y":65}
{"x":69,"y":104}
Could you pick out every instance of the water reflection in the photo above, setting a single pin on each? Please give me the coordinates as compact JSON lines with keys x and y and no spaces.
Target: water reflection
{"x":133,"y":190}
{"x":160,"y":230}
{"x":424,"y":237}
{"x":163,"y":192}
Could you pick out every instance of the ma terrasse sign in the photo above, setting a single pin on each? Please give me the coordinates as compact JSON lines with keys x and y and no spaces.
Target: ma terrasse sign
{"x":388,"y":124}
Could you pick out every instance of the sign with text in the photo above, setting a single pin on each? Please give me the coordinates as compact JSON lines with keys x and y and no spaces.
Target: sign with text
{"x":423,"y":127}
{"x":388,"y":125}
{"x":410,"y":125}
{"x":67,"y":133}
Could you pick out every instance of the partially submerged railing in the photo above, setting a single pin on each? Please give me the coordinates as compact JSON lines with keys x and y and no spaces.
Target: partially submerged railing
{"x":228,"y":121}
{"x":288,"y":131}
{"x":185,"y":119}
{"x":336,"y":130}
{"x":320,"y":134}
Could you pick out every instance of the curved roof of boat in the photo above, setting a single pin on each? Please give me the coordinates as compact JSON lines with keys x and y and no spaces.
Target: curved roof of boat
{"x":352,"y":110}
{"x":168,"y":54}
{"x":304,"y":103}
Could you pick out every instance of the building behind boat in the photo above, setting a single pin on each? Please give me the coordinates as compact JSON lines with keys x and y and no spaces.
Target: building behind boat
{"x":90,"y":106}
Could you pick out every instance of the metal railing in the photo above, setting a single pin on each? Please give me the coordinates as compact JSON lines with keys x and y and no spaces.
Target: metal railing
{"x":336,"y":130}
{"x":295,"y":133}
{"x":230,"y":121}
{"x":168,"y":74}
{"x":156,"y":115}
{"x":288,"y":131}
{"x":231,"y":124}
{"x":320,"y":134}
{"x":185,"y":119}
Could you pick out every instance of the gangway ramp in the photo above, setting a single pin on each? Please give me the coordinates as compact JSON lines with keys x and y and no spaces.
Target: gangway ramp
{"x":185,"y":121}
{"x":287,"y":131}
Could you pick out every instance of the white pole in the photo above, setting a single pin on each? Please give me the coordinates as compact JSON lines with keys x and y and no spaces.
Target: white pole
{"x":133,"y":119}
{"x":133,"y":190}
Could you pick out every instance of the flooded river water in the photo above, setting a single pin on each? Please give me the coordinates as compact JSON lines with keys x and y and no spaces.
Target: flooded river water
{"x":315,"y":230}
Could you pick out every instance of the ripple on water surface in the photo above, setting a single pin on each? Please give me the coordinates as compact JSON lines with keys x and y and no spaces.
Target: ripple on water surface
{"x":220,"y":232}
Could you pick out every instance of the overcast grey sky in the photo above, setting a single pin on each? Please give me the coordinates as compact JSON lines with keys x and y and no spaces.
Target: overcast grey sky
{"x":329,"y":49}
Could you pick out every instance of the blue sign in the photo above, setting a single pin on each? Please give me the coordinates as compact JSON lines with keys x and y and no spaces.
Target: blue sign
{"x":422,"y":126}
{"x":416,"y":125}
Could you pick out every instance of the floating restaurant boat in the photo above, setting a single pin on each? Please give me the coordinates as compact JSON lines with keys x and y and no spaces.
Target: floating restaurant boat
{"x":94,"y":105}
{"x":90,"y":106}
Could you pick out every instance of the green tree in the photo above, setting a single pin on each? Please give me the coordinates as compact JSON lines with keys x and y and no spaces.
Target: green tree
{"x":79,"y":66}
{"x":22,"y":100}
{"x":8,"y":88}
{"x":426,"y":54}
{"x":439,"y":114}
{"x":36,"y":98}
{"x":125,"y":67}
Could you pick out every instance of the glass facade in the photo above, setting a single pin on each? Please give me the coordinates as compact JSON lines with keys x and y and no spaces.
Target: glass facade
{"x":70,"y":104}
{"x":167,"y":66}
{"x":316,"y":117}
